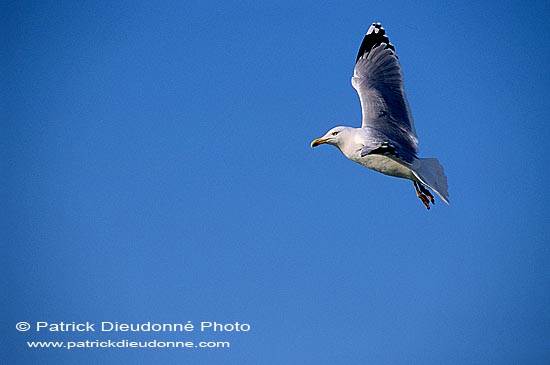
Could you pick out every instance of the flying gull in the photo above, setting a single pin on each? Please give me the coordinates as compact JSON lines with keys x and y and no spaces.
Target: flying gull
{"x":386,"y":141}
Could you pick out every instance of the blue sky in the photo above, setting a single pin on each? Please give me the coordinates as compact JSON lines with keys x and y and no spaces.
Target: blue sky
{"x":156,"y":167}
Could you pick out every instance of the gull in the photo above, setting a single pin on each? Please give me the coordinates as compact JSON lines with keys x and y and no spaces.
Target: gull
{"x":386,"y":141}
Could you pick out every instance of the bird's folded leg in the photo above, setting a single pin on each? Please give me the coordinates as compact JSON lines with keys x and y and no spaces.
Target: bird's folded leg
{"x":423,"y":194}
{"x":426,"y":192}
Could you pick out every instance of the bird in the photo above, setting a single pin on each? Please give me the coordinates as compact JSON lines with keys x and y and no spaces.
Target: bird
{"x":386,"y":142}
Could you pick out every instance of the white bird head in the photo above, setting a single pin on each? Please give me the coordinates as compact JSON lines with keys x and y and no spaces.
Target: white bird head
{"x":336,"y":137}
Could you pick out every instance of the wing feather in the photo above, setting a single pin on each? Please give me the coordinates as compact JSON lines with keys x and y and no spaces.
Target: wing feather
{"x":378,"y":80}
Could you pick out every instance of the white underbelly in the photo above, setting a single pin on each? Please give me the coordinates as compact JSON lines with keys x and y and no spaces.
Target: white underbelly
{"x":385,"y":165}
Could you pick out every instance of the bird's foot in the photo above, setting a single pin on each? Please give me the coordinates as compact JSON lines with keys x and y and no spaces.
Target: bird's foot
{"x":424,"y":195}
{"x":427,"y":193}
{"x":424,"y":200}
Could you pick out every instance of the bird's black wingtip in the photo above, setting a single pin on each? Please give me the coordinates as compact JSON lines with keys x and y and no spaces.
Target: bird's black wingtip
{"x":376,"y":35}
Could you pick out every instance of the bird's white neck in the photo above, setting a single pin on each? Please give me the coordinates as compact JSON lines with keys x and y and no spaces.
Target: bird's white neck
{"x":353,"y":144}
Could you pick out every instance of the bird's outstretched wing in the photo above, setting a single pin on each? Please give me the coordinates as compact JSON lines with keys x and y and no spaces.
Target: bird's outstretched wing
{"x":378,"y":79}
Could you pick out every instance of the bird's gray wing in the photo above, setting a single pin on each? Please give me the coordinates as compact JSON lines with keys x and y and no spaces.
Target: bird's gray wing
{"x":378,"y":79}
{"x":378,"y":143}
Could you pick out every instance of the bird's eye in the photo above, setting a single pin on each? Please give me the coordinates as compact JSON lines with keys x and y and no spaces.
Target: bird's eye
{"x":335,"y":133}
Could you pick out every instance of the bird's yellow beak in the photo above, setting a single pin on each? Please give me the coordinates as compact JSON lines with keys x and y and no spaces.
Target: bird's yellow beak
{"x":318,"y":141}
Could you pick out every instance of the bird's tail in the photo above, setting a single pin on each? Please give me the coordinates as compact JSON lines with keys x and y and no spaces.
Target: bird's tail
{"x":430,"y":173}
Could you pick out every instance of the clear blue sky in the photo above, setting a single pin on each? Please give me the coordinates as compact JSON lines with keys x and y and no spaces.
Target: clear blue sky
{"x":156,"y":167}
